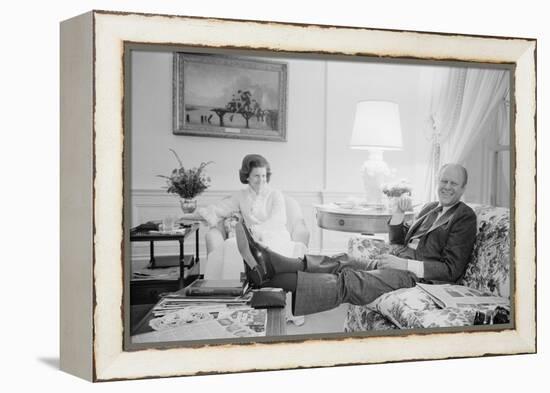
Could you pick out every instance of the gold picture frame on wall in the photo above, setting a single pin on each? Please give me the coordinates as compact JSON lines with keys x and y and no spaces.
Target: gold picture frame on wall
{"x":94,"y":251}
{"x":202,"y":106}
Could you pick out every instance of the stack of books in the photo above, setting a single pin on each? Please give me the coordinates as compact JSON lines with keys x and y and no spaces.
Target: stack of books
{"x":221,"y":288}
{"x":207,"y":309}
{"x":224,"y":293}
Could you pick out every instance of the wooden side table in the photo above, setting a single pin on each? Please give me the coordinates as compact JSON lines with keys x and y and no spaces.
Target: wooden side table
{"x":359,"y":220}
{"x":148,"y":290}
{"x":153,"y":237}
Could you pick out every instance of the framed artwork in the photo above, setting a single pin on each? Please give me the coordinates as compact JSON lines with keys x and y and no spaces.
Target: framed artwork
{"x":228,"y":97}
{"x":145,"y":84}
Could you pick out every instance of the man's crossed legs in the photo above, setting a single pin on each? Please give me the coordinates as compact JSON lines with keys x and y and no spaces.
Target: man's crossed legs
{"x":320,"y":283}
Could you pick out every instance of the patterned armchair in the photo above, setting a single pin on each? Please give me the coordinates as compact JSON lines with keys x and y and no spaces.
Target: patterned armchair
{"x":488,"y":271}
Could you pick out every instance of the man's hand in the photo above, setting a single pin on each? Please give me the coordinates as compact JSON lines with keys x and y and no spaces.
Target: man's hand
{"x":404,"y":204}
{"x":388,"y":261}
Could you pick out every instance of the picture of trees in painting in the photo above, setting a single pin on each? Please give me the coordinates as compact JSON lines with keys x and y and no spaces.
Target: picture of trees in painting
{"x":234,"y":96}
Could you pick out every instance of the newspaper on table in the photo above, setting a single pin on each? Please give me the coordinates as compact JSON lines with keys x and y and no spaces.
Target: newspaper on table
{"x":206,"y":322}
{"x":178,"y":318}
{"x":450,"y":295}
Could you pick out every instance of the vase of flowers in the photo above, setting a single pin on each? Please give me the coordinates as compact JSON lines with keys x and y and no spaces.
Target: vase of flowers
{"x":187,"y":183}
{"x":393,"y":191}
{"x":188,"y":205}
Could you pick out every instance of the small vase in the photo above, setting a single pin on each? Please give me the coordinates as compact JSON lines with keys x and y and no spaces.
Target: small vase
{"x":188,"y":205}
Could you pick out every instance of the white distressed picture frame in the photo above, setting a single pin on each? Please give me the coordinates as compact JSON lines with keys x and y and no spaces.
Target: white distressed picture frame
{"x":92,"y":195}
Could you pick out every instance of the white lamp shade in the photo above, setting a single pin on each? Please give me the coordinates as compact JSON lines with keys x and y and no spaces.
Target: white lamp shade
{"x":376,"y":126}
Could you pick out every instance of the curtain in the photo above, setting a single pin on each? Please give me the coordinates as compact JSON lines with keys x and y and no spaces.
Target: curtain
{"x":483,"y":91}
{"x":445,"y":106}
{"x":463,"y":113}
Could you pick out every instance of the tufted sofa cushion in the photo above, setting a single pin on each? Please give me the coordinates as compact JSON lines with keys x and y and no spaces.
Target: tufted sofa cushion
{"x":488,"y":271}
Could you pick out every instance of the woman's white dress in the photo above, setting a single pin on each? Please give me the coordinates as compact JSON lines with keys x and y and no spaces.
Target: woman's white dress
{"x":264,"y":213}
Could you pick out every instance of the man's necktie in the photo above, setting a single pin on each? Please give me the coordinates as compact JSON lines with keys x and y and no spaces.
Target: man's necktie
{"x":427,"y":223}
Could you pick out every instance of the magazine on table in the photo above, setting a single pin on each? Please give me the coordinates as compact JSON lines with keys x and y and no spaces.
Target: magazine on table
{"x":450,"y":295}
{"x":205,"y":287}
{"x":169,"y":303}
{"x":214,"y":321}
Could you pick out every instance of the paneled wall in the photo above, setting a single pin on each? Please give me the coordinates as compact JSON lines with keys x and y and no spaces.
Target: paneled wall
{"x":315,"y":165}
{"x":155,"y":204}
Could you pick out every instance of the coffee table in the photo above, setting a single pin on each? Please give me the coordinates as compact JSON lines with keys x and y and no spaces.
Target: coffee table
{"x":276,"y":323}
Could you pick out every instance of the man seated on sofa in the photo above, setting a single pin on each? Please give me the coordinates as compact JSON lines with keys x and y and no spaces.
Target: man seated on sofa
{"x":435,"y":248}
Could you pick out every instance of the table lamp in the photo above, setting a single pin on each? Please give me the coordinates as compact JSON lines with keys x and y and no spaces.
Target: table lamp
{"x":376,"y":128}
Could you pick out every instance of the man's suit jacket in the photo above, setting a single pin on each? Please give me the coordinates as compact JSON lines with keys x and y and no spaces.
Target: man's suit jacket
{"x":446,"y":248}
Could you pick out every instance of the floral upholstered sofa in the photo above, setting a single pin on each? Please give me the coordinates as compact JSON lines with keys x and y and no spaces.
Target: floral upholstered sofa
{"x":488,"y":271}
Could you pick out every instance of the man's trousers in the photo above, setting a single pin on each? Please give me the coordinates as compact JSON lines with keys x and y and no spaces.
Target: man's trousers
{"x":328,"y":282}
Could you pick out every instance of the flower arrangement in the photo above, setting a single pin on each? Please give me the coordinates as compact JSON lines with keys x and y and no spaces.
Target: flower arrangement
{"x":187,"y":183}
{"x":395,"y":190}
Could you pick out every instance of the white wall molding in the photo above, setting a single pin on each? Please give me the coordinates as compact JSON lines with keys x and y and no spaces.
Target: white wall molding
{"x":154,"y":204}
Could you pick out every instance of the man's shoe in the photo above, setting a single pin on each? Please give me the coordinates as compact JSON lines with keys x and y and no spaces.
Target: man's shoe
{"x":255,"y":277}
{"x":256,"y":256}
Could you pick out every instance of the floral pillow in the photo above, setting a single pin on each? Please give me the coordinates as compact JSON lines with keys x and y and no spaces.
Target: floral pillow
{"x":367,"y":249}
{"x":411,"y":308}
{"x":489,"y":268}
{"x":230,"y":222}
{"x":361,"y":318}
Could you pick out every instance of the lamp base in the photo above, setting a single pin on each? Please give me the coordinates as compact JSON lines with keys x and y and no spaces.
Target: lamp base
{"x":375,"y":171}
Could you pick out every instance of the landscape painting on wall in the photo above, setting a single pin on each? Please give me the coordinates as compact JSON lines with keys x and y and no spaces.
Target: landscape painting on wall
{"x":228,"y":97}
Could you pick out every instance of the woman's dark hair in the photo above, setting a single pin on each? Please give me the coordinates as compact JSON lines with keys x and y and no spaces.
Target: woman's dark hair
{"x":250,"y":162}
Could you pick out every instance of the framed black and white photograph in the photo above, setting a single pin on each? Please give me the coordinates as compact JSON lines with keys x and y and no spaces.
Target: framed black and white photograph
{"x":387,"y":227}
{"x":229,"y":97}
{"x":429,"y":114}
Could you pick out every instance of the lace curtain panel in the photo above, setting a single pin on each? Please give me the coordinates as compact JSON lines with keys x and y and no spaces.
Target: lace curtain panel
{"x":445,"y":106}
{"x":464,"y":111}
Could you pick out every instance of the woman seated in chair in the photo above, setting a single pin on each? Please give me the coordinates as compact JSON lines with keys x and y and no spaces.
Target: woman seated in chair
{"x":264,"y":212}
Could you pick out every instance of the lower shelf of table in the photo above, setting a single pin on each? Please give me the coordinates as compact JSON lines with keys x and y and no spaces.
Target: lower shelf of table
{"x":150,"y":291}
